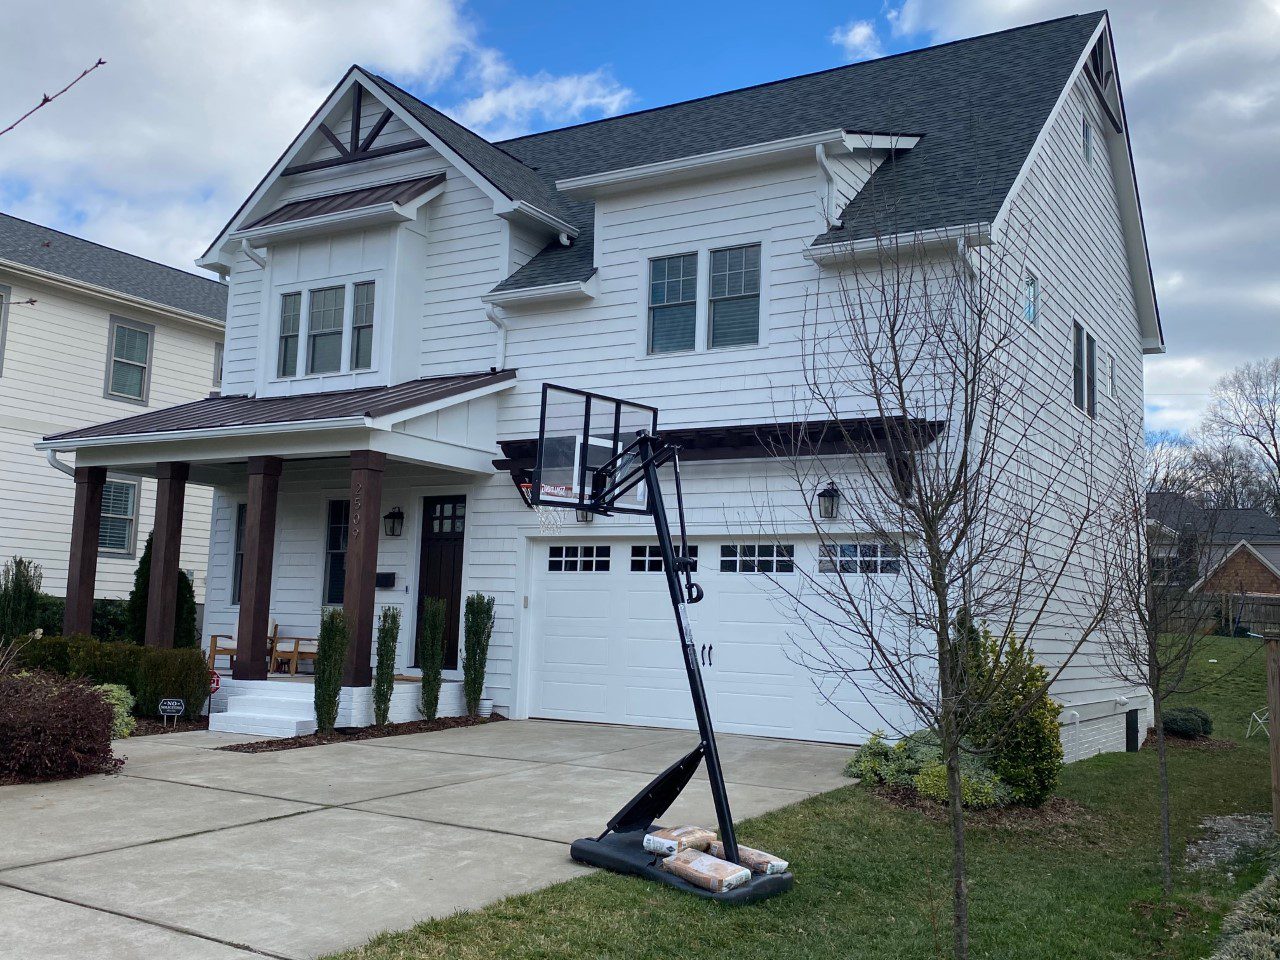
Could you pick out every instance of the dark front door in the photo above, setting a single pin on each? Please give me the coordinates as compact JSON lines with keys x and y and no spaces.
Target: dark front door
{"x":440,"y":567}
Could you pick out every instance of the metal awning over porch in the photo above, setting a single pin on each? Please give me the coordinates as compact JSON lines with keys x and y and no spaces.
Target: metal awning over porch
{"x":433,"y":421}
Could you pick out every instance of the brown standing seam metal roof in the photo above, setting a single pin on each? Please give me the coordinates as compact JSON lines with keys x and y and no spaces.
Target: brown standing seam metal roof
{"x":242,"y":411}
{"x":402,"y":191}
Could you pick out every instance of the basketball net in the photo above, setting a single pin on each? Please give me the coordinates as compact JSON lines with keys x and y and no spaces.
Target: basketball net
{"x":550,"y":519}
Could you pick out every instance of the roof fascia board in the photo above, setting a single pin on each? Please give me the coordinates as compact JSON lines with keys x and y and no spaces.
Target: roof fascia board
{"x":116,"y":297}
{"x":512,"y":208}
{"x":205,"y":433}
{"x":855,"y":140}
{"x":978,"y":234}
{"x":569,"y":290}
{"x":371,"y":215}
{"x":389,"y":420}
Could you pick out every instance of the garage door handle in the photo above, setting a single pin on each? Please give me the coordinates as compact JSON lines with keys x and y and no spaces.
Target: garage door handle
{"x":702,"y":654}
{"x":710,"y":649}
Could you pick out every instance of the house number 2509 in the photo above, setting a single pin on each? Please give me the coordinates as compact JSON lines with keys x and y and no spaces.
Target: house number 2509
{"x":357,"y":505}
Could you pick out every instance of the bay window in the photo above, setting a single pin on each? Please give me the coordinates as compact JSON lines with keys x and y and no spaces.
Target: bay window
{"x":331,"y":327}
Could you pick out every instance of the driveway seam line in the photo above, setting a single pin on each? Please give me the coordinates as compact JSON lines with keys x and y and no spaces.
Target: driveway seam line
{"x":172,"y":928}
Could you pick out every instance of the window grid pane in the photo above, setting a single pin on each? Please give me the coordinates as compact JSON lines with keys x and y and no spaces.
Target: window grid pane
{"x":324,"y":330}
{"x":336,"y":551}
{"x":578,"y":558}
{"x":362,"y":327}
{"x":647,"y":558}
{"x":757,"y":558}
{"x":290,"y":320}
{"x":673,"y":292}
{"x":115,"y":532}
{"x":735,"y":297}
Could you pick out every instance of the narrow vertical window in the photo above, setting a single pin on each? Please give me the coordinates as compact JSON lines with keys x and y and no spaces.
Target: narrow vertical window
{"x":1031,"y":299}
{"x":1077,"y":365}
{"x":6,"y":295}
{"x":1091,"y":375}
{"x":129,"y":365}
{"x":362,"y":327}
{"x":290,"y":318}
{"x":1086,"y":135}
{"x":218,"y":351}
{"x":673,"y":300}
{"x":116,"y":532}
{"x":335,"y":551}
{"x":1112,"y":384}
{"x":237,"y":561}
{"x":735,"y":297}
{"x":324,"y":330}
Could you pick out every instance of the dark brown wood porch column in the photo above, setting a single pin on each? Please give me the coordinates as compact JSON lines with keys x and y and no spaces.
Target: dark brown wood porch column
{"x":82,"y":566}
{"x":255,"y":582}
{"x":166,"y":546}
{"x":362,"y":564}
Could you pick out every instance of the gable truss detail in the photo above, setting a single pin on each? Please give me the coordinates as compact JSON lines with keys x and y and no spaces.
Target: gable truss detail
{"x":357,"y":149}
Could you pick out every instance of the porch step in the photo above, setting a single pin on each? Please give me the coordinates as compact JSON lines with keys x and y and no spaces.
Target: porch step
{"x":273,"y":706}
{"x":260,"y":724}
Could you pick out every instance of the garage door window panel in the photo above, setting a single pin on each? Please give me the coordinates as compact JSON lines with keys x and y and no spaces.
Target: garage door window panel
{"x":863,"y":558}
{"x":647,"y":558}
{"x":757,"y":558}
{"x":578,"y":558}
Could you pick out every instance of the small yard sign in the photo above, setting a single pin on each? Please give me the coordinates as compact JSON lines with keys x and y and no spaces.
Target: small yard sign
{"x":215,"y":681}
{"x":172,"y":707}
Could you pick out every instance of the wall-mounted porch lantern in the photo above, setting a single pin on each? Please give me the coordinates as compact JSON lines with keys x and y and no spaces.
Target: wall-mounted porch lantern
{"x":393,"y":522}
{"x":584,"y":516}
{"x":829,"y":501}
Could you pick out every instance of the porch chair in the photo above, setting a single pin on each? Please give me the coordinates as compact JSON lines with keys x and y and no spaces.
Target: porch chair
{"x":288,"y":652}
{"x":1258,"y":722}
{"x":222,"y":644}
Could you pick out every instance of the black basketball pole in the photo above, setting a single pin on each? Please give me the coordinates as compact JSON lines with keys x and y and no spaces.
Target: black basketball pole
{"x":680,"y":603}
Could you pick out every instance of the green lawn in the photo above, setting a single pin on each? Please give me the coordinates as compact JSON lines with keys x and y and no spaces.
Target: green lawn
{"x":872,"y":881}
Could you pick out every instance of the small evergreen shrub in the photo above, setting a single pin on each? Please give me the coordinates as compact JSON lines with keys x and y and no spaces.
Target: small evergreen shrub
{"x":109,"y":622}
{"x":331,"y":654}
{"x":980,"y":789}
{"x":20,"y":582}
{"x":431,"y":655}
{"x":384,"y":676}
{"x":915,"y":763}
{"x":1189,"y":723}
{"x":114,"y":663}
{"x":50,"y":654}
{"x":121,"y":700}
{"x":169,"y":673}
{"x":477,"y":622}
{"x":185,"y":632}
{"x":52,"y":727}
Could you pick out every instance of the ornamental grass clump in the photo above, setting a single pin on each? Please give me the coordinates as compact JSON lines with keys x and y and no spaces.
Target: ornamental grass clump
{"x":431,"y":655}
{"x":331,"y":654}
{"x":478,"y":630}
{"x":384,"y":674}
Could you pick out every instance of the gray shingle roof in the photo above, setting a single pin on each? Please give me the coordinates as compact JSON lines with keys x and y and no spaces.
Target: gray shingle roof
{"x":402,"y":191}
{"x":63,"y":255}
{"x":242,"y":411}
{"x":1221,"y":525}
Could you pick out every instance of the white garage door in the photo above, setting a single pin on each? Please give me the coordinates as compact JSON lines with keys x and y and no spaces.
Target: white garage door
{"x":606,"y":649}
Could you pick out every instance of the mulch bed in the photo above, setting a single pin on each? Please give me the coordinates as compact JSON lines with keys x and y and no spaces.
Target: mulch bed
{"x":149,"y":727}
{"x":350,"y":735}
{"x":1056,"y":814}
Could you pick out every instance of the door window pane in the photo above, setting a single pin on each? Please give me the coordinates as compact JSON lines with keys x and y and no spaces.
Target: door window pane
{"x":336,"y":551}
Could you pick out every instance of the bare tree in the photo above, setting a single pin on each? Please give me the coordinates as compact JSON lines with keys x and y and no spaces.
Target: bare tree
{"x":48,"y":98}
{"x":1226,"y":475}
{"x":1245,"y":404}
{"x":1163,"y":542}
{"x":964,"y":471}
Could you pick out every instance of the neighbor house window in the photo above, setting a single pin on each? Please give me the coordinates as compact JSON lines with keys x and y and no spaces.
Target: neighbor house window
{"x":735,"y":297}
{"x":237,"y":558}
{"x":757,"y":558}
{"x":1084,"y":370}
{"x":290,"y":324}
{"x":116,"y":534}
{"x":129,"y":363}
{"x":647,"y":558}
{"x":1031,"y":299}
{"x":335,"y":551}
{"x":673,"y":299}
{"x":218,"y":350}
{"x":1086,"y":139}
{"x":868,"y":558}
{"x":574,"y":558}
{"x":362,"y":327}
{"x":324,"y":330}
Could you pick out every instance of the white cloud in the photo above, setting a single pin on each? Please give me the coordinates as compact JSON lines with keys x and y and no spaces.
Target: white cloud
{"x":857,"y":40}
{"x":153,"y":152}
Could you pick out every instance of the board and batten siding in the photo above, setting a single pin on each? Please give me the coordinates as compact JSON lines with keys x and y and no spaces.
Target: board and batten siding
{"x":54,"y":367}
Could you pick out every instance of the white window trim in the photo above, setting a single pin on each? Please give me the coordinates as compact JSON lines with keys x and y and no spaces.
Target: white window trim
{"x":702,"y":314}
{"x":149,"y":329}
{"x":132,"y":549}
{"x":348,"y":283}
{"x":1038,"y":300}
{"x":6,"y":297}
{"x":1088,"y":141}
{"x":219,"y":361}
{"x":1098,"y":353}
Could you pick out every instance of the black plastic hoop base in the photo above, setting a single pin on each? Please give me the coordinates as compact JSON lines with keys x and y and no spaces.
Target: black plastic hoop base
{"x":625,"y":853}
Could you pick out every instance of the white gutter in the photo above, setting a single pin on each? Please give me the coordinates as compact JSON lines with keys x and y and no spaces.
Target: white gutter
{"x":568,"y":290}
{"x":491,"y":314}
{"x":505,"y":210}
{"x":52,"y":457}
{"x":975,"y":234}
{"x":208,"y":433}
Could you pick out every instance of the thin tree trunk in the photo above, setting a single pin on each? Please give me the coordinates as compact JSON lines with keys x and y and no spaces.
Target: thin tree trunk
{"x":959,"y":869}
{"x":1162,"y":757}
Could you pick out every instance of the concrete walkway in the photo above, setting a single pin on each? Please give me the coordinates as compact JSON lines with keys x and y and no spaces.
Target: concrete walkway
{"x":197,"y":853}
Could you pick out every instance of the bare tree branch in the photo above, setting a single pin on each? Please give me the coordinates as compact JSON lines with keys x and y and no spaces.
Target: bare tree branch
{"x":48,"y":98}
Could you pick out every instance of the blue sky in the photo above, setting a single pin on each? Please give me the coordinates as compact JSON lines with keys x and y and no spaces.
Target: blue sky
{"x":154,"y":152}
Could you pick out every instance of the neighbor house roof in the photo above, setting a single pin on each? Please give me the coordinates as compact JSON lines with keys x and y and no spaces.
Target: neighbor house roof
{"x":60,"y":254}
{"x":223,"y":412}
{"x":1223,"y":525}
{"x":977,"y":105}
{"x":402,"y":191}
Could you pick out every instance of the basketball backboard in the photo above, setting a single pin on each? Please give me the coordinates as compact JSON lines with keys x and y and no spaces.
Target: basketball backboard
{"x":579,"y":432}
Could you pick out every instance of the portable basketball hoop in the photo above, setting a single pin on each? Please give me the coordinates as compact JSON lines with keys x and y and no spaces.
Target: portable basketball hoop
{"x":602,"y":455}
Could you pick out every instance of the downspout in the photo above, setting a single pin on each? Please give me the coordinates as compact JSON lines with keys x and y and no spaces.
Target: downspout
{"x":828,"y":200}
{"x":253,"y":254}
{"x":491,"y":314}
{"x":52,"y":457}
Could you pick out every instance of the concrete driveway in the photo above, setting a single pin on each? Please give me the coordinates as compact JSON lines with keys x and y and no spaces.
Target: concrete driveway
{"x":197,"y":853}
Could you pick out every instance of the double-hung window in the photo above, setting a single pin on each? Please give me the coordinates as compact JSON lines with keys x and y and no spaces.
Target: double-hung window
{"x":362,"y":326}
{"x":1084,"y":370}
{"x":116,"y":532}
{"x":1086,"y":142}
{"x":673,"y":303}
{"x":1031,"y":299}
{"x":324,"y":329}
{"x":335,"y":551}
{"x":129,"y":362}
{"x":237,"y":560}
{"x":290,"y":328}
{"x":219,"y":357}
{"x":735,"y":297}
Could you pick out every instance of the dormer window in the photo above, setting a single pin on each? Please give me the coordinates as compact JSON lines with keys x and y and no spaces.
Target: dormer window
{"x":318,"y":318}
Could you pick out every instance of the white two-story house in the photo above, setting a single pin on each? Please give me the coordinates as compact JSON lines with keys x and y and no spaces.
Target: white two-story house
{"x":89,"y":333}
{"x":401,"y":289}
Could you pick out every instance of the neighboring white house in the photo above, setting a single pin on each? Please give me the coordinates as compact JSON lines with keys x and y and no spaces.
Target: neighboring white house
{"x":401,"y":289}
{"x":88,"y":333}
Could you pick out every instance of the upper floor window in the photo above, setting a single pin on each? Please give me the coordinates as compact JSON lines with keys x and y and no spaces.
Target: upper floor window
{"x":362,"y":327}
{"x":117,"y":530}
{"x":673,"y":303}
{"x":1086,"y":141}
{"x":290,"y":326}
{"x":129,"y":360}
{"x":1084,"y":370}
{"x":324,"y":330}
{"x":317,"y":317}
{"x":1031,"y":299}
{"x":218,"y":352}
{"x":735,"y":297}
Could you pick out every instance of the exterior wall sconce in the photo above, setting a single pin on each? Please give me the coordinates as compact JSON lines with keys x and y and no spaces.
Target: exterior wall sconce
{"x":393,"y":522}
{"x":584,"y":516}
{"x":829,"y":501}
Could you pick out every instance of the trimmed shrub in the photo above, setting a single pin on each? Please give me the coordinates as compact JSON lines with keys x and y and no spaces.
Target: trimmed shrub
{"x":51,"y":654}
{"x":52,"y":727}
{"x":979,"y":787}
{"x":477,"y":623}
{"x":915,"y":763}
{"x":114,"y":663}
{"x":185,"y":633}
{"x":169,"y":673}
{"x":109,"y":623}
{"x":121,"y":700}
{"x":384,"y":675}
{"x":20,"y":582}
{"x":1188,"y":723}
{"x":1026,"y":752}
{"x":431,"y":655}
{"x":331,"y":654}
